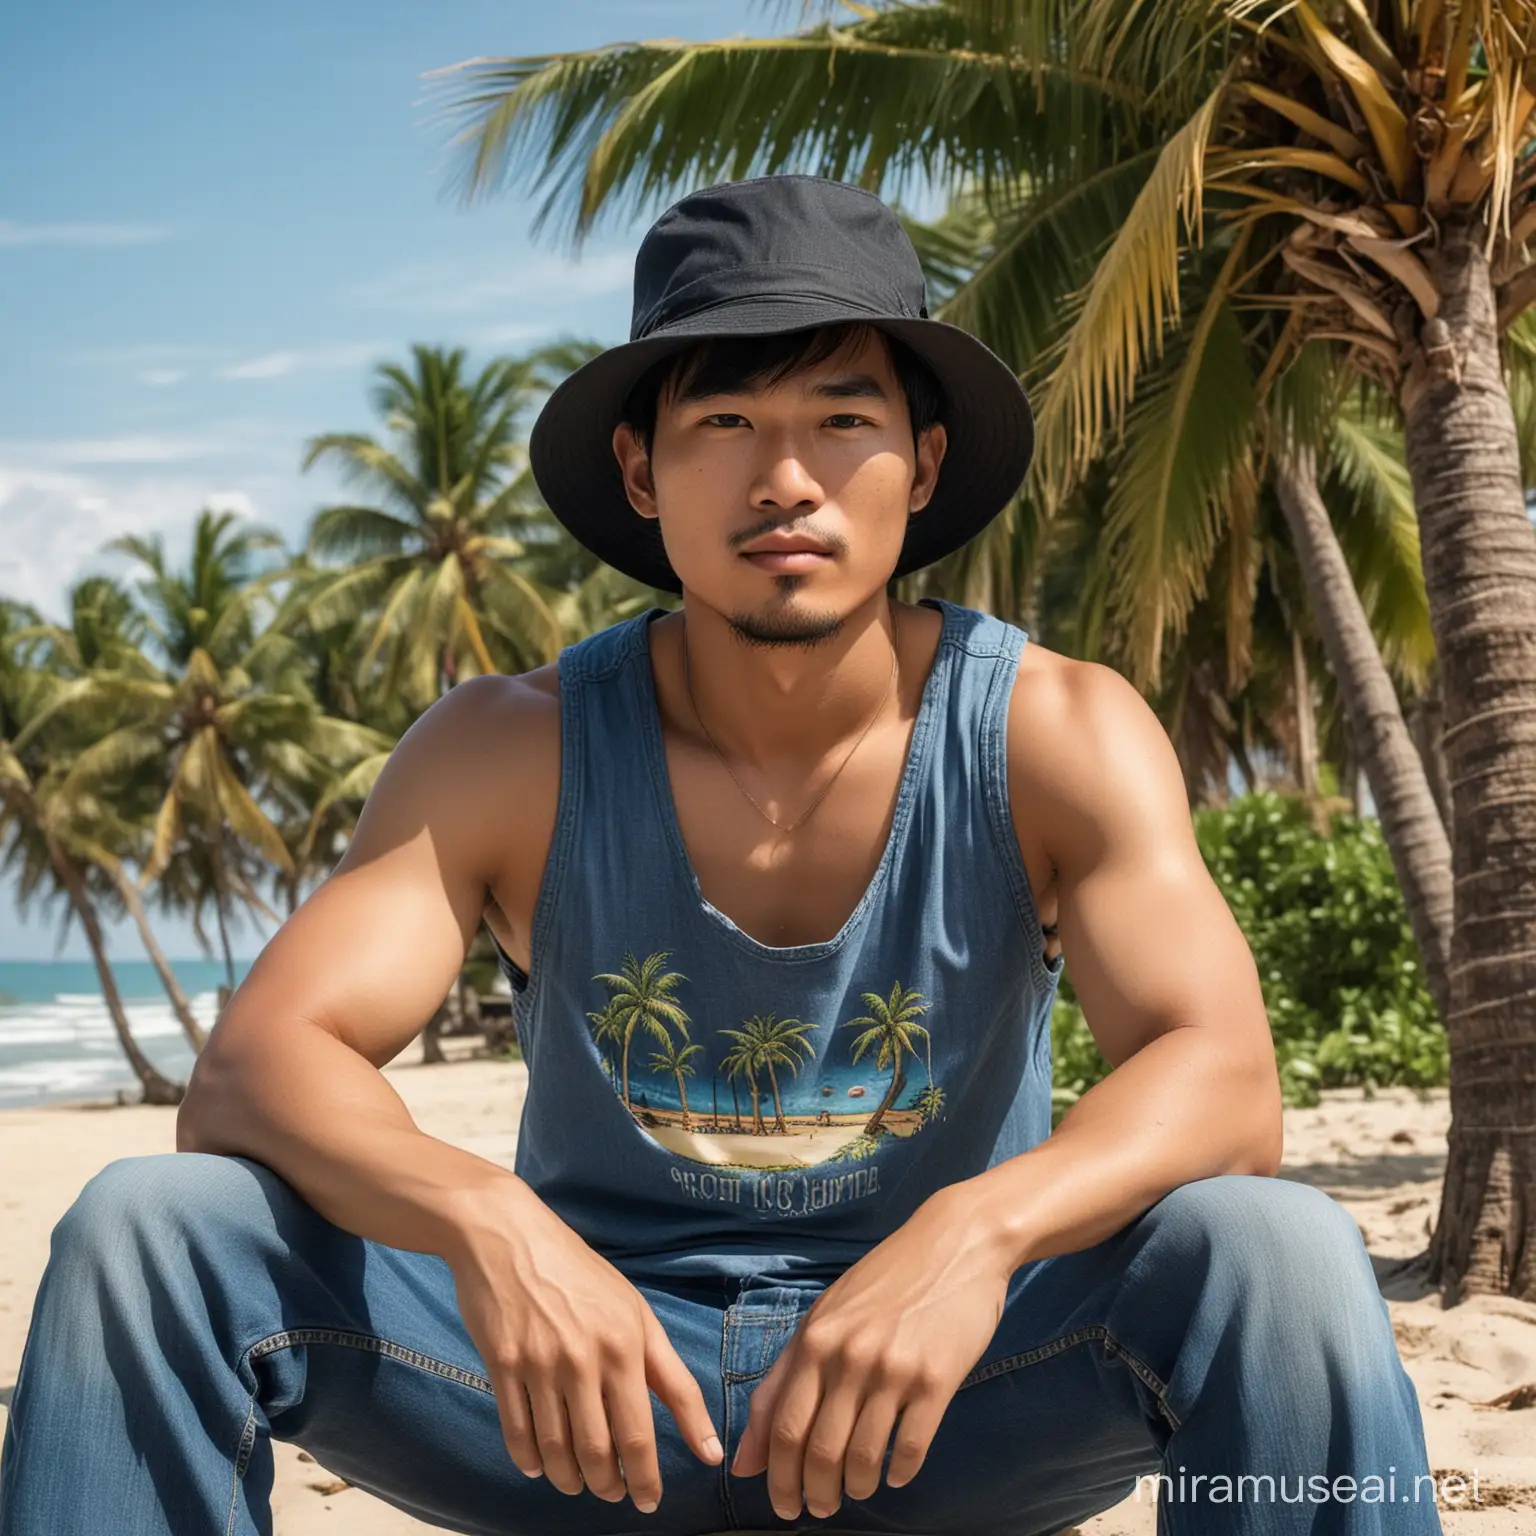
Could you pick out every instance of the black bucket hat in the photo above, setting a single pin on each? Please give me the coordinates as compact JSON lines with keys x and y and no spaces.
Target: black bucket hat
{"x":756,"y":258}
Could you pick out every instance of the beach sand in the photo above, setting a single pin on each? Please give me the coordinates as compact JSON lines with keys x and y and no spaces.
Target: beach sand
{"x":1381,"y":1158}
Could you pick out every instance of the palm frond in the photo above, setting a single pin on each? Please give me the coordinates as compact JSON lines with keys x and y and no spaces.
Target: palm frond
{"x":1186,"y":441}
{"x":1370,"y":496}
{"x":628,"y":125}
{"x":1132,"y":297}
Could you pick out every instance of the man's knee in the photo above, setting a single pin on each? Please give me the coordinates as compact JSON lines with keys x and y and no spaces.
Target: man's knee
{"x":136,"y":1204}
{"x":1270,"y":1239}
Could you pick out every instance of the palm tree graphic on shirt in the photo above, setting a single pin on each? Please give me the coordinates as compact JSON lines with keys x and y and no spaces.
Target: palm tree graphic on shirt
{"x":891,"y":1025}
{"x":766,"y":1041}
{"x":643,"y":997}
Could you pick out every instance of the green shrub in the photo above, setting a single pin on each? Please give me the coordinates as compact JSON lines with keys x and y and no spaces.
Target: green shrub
{"x":1336,"y":959}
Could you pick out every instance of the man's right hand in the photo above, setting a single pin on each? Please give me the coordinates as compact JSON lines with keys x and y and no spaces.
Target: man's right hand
{"x":573,"y":1351}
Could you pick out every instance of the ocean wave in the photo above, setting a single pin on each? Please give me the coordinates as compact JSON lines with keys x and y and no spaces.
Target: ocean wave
{"x":68,"y":1048}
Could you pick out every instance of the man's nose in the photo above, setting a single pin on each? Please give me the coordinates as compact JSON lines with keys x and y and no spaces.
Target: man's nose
{"x":783,"y":478}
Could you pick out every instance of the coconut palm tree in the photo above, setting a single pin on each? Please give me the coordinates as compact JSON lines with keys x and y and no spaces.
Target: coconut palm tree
{"x":317,"y":816}
{"x":36,"y":840}
{"x":1199,"y":177}
{"x":105,"y":633}
{"x":680,"y":1065}
{"x":1151,"y":573}
{"x":224,"y":722}
{"x":435,"y":559}
{"x":642,"y":997}
{"x":891,"y":1026}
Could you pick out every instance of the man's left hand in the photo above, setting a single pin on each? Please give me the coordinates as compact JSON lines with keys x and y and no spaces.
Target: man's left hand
{"x":893,"y":1336}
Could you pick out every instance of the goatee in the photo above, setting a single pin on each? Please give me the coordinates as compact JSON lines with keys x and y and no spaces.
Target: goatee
{"x":768,"y":630}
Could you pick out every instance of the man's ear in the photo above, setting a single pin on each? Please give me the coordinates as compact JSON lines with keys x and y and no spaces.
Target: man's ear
{"x":635,"y":464}
{"x":931,"y":445}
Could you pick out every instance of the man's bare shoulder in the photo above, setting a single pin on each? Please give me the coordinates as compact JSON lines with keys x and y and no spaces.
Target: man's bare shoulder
{"x":1088,"y":759}
{"x":482,"y":768}
{"x":489,"y":727}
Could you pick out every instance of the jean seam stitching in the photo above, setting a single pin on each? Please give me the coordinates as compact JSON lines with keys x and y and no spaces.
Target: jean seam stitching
{"x":242,"y":1461}
{"x":725,"y":1428}
{"x":776,"y":1318}
{"x":1067,"y":1341}
{"x":369,"y":1343}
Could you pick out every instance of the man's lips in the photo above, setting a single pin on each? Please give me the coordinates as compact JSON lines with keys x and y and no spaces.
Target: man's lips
{"x":787,"y":560}
{"x":786,"y":552}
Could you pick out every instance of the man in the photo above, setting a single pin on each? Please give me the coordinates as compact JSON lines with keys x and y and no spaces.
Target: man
{"x":797,"y":852}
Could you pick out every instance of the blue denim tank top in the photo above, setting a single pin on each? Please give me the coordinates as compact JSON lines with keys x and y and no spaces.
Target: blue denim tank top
{"x":702,"y":1104}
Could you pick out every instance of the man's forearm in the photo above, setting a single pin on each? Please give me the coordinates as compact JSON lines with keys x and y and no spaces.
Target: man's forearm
{"x":1181,"y":1108}
{"x":323,"y":1117}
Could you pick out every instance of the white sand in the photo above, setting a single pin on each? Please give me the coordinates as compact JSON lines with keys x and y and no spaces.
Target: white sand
{"x":1380,"y":1158}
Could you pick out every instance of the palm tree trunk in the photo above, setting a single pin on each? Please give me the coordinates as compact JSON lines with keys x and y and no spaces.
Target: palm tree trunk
{"x":1410,"y":823}
{"x":898,"y":1079}
{"x":1428,"y":718}
{"x":1306,"y":720}
{"x":1479,"y":554}
{"x":778,"y":1107}
{"x":180,"y":1004}
{"x":157,"y":1088}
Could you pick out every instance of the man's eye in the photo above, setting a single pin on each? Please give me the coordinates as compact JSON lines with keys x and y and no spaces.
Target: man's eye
{"x":845,"y":419}
{"x":724,"y":419}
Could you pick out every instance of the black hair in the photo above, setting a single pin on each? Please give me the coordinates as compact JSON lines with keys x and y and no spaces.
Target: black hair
{"x":730,"y":365}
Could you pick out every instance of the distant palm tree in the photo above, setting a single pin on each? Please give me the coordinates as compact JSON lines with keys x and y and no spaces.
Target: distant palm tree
{"x":317,"y":816}
{"x":225,"y":721}
{"x":435,"y":563}
{"x":642,"y":998}
{"x":36,"y":836}
{"x":105,"y":633}
{"x":680,"y":1065}
{"x":891,"y":1025}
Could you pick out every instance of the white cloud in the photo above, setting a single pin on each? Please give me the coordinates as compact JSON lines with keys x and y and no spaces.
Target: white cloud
{"x":503,"y":335}
{"x":53,"y":523}
{"x":537,"y":282}
{"x":160,"y":377}
{"x":240,"y":502}
{"x":274,"y":365}
{"x":134,"y":448}
{"x":12,"y":233}
{"x":271,"y":366}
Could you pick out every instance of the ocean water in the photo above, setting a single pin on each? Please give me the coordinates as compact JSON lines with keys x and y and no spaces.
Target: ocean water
{"x":57,"y":1040}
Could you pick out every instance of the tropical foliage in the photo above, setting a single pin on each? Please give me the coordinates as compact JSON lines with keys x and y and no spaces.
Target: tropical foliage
{"x":1324,"y":916}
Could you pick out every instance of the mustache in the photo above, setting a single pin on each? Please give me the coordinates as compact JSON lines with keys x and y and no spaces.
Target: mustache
{"x":833,"y":541}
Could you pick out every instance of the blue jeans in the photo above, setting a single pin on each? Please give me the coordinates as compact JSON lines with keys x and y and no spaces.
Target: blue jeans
{"x":196,"y":1307}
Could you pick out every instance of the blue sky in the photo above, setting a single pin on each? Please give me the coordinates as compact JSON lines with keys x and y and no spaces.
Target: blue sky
{"x":213,"y":219}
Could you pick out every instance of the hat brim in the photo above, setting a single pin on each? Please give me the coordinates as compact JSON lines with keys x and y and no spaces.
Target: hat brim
{"x":987,"y":418}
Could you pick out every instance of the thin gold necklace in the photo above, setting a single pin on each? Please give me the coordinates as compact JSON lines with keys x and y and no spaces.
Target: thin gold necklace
{"x":782,"y":828}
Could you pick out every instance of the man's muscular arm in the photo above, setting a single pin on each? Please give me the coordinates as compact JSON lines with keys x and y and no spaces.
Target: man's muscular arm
{"x":289,"y":1076}
{"x":1167,"y":982}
